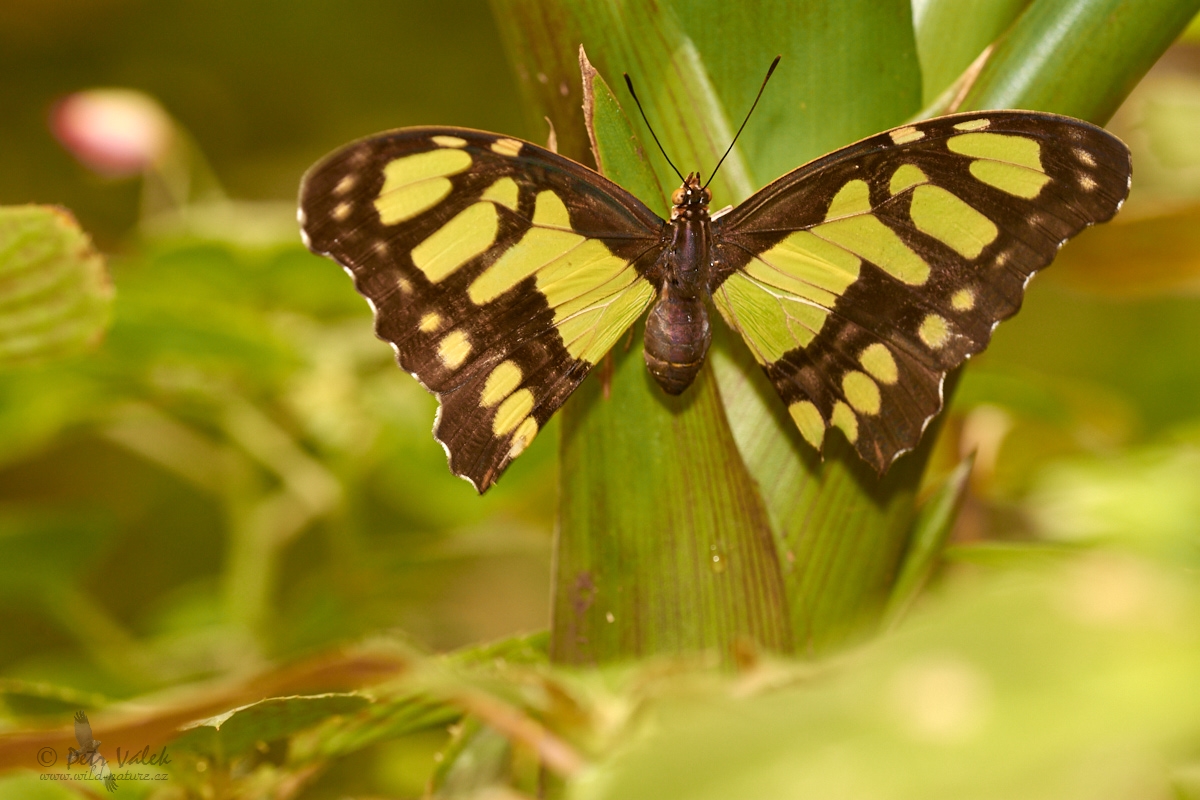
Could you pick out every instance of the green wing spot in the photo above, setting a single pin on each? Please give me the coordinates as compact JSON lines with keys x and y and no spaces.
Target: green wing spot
{"x":808,"y":420}
{"x":803,"y":260}
{"x":1019,"y":150}
{"x":907,"y":176}
{"x":861,"y":392}
{"x":844,"y":419}
{"x":454,"y":349}
{"x":868,"y":238}
{"x":581,"y":276}
{"x":879,"y":362}
{"x":771,"y":323}
{"x":542,"y":245}
{"x":504,"y":192}
{"x":457,"y":242}
{"x":973,"y":125}
{"x":501,"y":382}
{"x":948,"y":219}
{"x":853,"y":198}
{"x":934,"y":331}
{"x":592,"y":332}
{"x":549,"y":211}
{"x":414,"y":184}
{"x":1017,"y":181}
{"x":512,"y":412}
{"x":765,"y":273}
{"x":537,"y":248}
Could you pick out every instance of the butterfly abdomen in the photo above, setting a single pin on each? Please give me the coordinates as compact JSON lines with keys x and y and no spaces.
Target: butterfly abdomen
{"x":677,"y":330}
{"x":677,"y":338}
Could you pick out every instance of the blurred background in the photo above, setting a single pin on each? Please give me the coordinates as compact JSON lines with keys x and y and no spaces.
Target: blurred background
{"x":240,"y":472}
{"x":240,"y":475}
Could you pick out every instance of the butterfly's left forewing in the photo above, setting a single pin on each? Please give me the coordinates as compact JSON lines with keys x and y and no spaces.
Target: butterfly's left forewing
{"x":861,"y":278}
{"x":501,"y":273}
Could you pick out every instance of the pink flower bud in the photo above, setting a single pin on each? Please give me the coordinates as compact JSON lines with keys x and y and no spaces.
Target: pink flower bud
{"x":115,"y":132}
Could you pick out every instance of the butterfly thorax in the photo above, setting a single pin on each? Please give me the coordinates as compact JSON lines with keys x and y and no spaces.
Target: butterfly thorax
{"x":677,"y":330}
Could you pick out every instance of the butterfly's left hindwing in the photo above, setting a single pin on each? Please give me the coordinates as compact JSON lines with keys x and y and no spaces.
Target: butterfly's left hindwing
{"x":501,"y":273}
{"x":861,"y":278}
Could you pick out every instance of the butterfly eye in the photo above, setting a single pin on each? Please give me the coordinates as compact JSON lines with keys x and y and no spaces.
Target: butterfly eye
{"x":677,"y":197}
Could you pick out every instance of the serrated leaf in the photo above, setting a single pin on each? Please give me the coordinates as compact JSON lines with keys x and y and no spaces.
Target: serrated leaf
{"x":55,"y":297}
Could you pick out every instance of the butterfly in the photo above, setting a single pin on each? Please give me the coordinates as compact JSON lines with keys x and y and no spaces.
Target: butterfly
{"x":502,"y":272}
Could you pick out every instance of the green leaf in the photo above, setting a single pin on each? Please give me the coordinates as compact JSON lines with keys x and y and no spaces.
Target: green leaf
{"x":692,"y":491}
{"x":840,"y":529}
{"x":848,"y":70}
{"x":235,"y":732}
{"x":931,"y":530}
{"x":478,"y":757}
{"x":405,"y":709}
{"x":55,"y":296}
{"x":948,"y":43}
{"x":1108,"y":44}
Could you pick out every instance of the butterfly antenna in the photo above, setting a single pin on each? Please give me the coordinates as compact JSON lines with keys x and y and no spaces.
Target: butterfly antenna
{"x":770,"y":70}
{"x":629,"y":83}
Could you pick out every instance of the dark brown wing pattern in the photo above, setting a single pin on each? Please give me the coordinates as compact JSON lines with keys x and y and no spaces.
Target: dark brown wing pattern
{"x":499,"y":271}
{"x":861,"y":278}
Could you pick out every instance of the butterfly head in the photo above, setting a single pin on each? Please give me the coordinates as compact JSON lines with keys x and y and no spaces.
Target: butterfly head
{"x":691,"y":196}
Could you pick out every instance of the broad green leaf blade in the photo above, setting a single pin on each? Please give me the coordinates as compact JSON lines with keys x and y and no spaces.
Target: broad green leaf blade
{"x":841,"y":530}
{"x":680,"y":557}
{"x":1078,"y":57}
{"x":55,"y":296}
{"x":615,"y":147}
{"x":230,"y":734}
{"x":931,"y":529}
{"x":846,"y":552}
{"x":949,"y":40}
{"x":663,"y":542}
{"x":849,"y":69}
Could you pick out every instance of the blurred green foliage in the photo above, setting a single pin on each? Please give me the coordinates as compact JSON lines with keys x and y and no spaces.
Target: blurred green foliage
{"x":236,"y":496}
{"x":239,"y":473}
